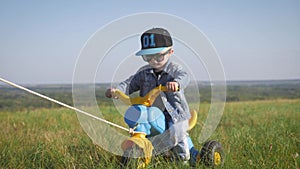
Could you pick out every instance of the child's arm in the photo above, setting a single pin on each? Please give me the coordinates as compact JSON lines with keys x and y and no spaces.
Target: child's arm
{"x":128,"y":86}
{"x":181,"y":77}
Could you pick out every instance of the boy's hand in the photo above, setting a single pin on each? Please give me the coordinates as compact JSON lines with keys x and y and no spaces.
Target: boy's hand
{"x":172,"y":86}
{"x":110,"y":93}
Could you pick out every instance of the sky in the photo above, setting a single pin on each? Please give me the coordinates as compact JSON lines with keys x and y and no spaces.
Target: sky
{"x":40,"y":41}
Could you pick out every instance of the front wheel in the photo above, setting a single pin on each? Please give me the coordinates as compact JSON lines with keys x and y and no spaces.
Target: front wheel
{"x":132,"y":158}
{"x":212,"y":154}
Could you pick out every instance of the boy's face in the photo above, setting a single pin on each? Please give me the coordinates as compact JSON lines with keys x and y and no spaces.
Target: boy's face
{"x":158,"y":61}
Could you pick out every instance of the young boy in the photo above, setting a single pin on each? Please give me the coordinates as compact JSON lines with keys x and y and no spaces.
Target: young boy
{"x":160,"y":70}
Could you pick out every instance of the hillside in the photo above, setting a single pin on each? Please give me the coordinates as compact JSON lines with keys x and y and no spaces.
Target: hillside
{"x":15,"y":99}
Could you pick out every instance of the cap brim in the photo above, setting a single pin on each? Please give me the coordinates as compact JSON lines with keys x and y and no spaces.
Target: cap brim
{"x":150,"y":51}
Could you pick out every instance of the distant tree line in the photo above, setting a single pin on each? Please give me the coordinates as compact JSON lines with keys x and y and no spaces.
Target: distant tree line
{"x":15,"y":99}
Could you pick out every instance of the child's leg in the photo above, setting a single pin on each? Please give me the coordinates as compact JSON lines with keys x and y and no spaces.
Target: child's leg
{"x":181,"y":149}
{"x":194,"y":154}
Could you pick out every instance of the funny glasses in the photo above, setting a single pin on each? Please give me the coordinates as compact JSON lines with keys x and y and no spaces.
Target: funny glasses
{"x":157,"y":57}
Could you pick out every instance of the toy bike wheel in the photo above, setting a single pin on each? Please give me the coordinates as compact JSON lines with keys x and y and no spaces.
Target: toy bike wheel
{"x":133,"y":158}
{"x":212,"y":154}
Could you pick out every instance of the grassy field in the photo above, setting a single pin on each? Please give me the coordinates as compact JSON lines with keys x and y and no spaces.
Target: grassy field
{"x":254,"y":134}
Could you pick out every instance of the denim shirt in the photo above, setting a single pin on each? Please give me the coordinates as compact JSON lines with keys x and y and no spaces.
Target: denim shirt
{"x":145,"y":80}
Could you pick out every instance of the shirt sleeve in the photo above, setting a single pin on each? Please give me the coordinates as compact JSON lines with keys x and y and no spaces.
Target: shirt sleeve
{"x":130,"y":85}
{"x":181,"y":77}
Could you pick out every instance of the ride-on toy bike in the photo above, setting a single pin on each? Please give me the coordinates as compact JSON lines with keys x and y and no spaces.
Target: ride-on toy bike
{"x":146,"y":121}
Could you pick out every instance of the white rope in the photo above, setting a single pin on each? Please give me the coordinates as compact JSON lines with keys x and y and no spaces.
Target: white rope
{"x":62,"y":104}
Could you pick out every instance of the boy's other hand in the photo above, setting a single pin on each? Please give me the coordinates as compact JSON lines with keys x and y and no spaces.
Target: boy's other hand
{"x":172,"y":86}
{"x":110,"y":92}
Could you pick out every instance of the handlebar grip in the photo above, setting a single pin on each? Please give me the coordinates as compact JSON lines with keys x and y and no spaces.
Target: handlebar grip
{"x":122,"y":96}
{"x":165,"y":89}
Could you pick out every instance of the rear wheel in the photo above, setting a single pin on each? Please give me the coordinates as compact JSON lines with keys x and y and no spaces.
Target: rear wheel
{"x":212,"y":154}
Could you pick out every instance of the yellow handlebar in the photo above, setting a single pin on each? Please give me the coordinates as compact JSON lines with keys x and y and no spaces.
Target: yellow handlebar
{"x":149,"y":99}
{"x":146,"y":100}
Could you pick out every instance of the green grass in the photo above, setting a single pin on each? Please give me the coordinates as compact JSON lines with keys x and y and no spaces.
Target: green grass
{"x":261,"y":134}
{"x":254,"y":134}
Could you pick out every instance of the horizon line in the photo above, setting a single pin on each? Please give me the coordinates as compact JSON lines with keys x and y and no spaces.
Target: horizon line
{"x":198,"y":81}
